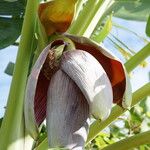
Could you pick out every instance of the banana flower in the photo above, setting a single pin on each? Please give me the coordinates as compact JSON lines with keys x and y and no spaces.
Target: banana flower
{"x":69,"y":85}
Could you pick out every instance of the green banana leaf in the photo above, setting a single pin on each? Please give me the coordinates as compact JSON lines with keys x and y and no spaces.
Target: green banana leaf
{"x":14,"y":8}
{"x":10,"y":29}
{"x":131,"y":9}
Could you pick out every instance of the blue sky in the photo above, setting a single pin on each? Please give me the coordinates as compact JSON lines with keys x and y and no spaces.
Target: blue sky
{"x":6,"y":55}
{"x":139,"y":76}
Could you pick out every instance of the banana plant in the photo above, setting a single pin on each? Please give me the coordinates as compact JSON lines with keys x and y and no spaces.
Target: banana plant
{"x":63,"y":75}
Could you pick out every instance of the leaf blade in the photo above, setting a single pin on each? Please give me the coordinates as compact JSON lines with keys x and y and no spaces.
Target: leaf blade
{"x":12,"y":8}
{"x":9,"y":30}
{"x":131,"y":9}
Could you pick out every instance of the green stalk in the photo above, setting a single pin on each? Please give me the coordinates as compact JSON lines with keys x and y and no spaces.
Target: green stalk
{"x":102,"y":7}
{"x":86,"y":15}
{"x":12,"y":129}
{"x":131,"y":142}
{"x":88,"y":20}
{"x":138,"y":58}
{"x":97,"y":126}
{"x":42,"y":41}
{"x":78,"y":8}
{"x":103,"y":33}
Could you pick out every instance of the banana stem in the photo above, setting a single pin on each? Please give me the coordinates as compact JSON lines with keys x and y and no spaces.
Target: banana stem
{"x":131,"y":142}
{"x":97,"y":126}
{"x":42,"y":40}
{"x":80,"y":25}
{"x":102,"y":7}
{"x":12,"y":129}
{"x":78,"y":8}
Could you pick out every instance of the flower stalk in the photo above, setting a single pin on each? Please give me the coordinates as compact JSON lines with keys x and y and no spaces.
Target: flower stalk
{"x":12,"y":129}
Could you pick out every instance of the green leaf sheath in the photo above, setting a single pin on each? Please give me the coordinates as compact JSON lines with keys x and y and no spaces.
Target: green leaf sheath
{"x":10,"y":29}
{"x":98,"y":17}
{"x":85,"y":16}
{"x":12,"y":129}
